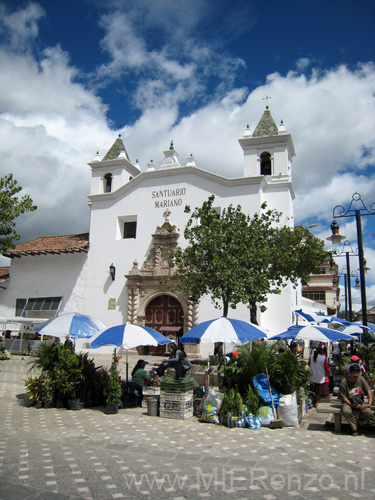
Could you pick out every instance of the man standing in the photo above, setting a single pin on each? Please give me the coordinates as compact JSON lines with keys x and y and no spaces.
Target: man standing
{"x":353,"y":390}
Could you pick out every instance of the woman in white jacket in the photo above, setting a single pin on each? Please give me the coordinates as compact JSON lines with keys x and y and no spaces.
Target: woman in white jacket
{"x":319,"y":374}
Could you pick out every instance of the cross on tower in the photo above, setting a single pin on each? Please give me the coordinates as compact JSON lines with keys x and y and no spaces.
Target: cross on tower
{"x":266,"y":98}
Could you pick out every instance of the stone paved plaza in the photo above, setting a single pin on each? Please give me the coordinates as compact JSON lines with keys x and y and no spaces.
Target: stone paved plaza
{"x":56,"y":454}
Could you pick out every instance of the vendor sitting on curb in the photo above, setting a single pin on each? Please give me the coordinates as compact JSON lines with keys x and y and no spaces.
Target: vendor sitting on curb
{"x":353,"y":390}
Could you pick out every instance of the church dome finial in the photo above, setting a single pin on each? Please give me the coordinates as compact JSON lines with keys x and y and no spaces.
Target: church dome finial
{"x":171,"y":146}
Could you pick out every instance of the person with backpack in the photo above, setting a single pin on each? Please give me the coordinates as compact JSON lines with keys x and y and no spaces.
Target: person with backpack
{"x":178,"y":361}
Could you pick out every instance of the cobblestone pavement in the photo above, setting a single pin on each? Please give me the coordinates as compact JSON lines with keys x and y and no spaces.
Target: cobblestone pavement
{"x":57,"y":454}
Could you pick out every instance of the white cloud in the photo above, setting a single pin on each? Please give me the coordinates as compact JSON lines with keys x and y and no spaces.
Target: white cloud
{"x":21,"y":27}
{"x":302,"y":63}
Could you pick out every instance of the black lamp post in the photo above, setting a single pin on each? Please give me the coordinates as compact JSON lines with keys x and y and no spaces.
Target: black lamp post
{"x":356,"y":209}
{"x":348,"y":290}
{"x":347,"y":253}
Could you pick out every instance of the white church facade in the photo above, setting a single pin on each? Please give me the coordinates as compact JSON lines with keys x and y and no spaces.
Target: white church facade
{"x":116,"y":272}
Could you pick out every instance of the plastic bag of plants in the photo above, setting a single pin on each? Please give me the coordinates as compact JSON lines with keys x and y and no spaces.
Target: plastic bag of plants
{"x":211,"y":407}
{"x":253,"y":422}
{"x":260,"y":383}
{"x":266,"y":415}
{"x":236,"y":421}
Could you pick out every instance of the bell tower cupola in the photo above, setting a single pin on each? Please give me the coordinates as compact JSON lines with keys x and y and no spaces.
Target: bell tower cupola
{"x":269,"y":150}
{"x":113,"y":171}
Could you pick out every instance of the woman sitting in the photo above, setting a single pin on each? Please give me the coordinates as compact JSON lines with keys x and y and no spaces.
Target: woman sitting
{"x":139,"y":377}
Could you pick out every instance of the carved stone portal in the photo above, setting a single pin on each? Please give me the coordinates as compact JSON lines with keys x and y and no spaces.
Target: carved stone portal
{"x":145,"y":284}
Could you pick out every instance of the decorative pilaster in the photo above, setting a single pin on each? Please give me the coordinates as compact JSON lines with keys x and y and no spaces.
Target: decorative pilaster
{"x":196,"y":314}
{"x":135,"y":306}
{"x":190,"y":316}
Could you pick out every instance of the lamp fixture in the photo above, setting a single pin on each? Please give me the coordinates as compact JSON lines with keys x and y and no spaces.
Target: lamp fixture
{"x":336,"y":237}
{"x":112,"y":271}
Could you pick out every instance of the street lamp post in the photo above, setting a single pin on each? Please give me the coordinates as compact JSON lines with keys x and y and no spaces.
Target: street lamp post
{"x":356,"y":209}
{"x":346,"y":251}
{"x":348,"y":290}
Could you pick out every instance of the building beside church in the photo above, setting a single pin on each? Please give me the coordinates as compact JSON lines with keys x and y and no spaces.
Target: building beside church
{"x":115,"y":272}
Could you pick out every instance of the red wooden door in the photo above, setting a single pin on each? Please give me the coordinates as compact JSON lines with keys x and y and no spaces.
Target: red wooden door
{"x":165,"y":315}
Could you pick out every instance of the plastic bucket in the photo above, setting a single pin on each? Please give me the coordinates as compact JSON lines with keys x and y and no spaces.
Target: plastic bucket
{"x":152,"y":406}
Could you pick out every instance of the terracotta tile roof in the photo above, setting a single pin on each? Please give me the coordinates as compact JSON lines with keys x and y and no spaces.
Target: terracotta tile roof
{"x":4,"y":273}
{"x":68,"y":243}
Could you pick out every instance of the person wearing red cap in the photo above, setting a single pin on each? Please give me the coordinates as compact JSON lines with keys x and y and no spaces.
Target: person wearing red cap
{"x":357,"y":361}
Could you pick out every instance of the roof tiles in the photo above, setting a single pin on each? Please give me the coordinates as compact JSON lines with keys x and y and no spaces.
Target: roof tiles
{"x":51,"y":244}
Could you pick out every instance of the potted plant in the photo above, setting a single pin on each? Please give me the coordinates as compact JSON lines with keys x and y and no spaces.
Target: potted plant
{"x":49,"y":392}
{"x":113,"y":388}
{"x":35,"y":390}
{"x":68,"y":376}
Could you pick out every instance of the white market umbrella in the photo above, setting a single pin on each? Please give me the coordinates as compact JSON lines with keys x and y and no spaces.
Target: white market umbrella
{"x":75,"y":325}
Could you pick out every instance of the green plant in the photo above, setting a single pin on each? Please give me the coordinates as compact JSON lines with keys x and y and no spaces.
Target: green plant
{"x":68,"y":373}
{"x":252,"y":401}
{"x":45,"y":357}
{"x":285,"y":372}
{"x":113,"y":385}
{"x":49,"y":390}
{"x":5,"y":354}
{"x":34,"y":387}
{"x":232,"y":403}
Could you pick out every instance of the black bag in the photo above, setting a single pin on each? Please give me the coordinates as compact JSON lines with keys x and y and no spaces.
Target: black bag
{"x":357,"y":400}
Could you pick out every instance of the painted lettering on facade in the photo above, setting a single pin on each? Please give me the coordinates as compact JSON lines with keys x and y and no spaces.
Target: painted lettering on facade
{"x":166,"y":198}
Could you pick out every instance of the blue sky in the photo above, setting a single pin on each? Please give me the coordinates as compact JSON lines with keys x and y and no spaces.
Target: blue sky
{"x":75,"y":73}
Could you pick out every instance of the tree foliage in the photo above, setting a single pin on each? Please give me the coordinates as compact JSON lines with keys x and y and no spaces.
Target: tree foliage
{"x":11,"y":206}
{"x":236,"y":258}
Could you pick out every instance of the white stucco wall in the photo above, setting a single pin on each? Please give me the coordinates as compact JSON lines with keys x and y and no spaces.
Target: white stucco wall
{"x":46,"y":276}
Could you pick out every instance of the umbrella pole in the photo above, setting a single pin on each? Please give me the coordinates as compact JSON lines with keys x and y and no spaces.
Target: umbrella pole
{"x":127,"y":367}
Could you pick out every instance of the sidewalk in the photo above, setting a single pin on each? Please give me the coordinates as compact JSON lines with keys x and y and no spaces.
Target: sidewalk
{"x":56,"y":454}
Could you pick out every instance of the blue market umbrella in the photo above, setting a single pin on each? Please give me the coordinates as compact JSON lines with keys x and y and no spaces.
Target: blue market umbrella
{"x":223,"y":330}
{"x":75,"y":325}
{"x":314,"y":317}
{"x":357,"y":330}
{"x":316,"y":333}
{"x":128,"y":336}
{"x":321,"y":318}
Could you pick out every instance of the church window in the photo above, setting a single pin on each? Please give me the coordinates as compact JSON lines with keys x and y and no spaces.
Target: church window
{"x":265,"y":164}
{"x":315,"y":295}
{"x":108,"y":183}
{"x":23,"y":306}
{"x":130,"y":229}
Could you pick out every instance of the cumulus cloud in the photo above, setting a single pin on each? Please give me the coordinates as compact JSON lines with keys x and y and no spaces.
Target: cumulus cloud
{"x":20,"y":28}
